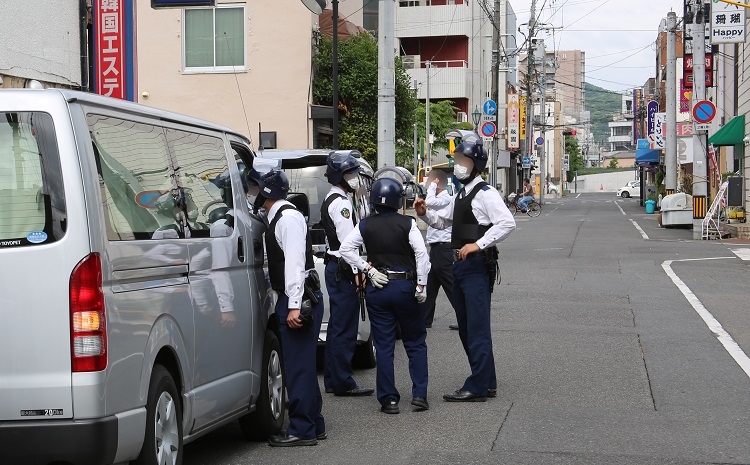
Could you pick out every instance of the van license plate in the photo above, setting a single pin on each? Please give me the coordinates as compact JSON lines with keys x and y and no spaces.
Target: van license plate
{"x":47,"y":412}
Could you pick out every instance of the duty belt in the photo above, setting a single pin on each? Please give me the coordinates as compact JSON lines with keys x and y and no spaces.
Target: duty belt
{"x":408,"y":275}
{"x":471,"y":255}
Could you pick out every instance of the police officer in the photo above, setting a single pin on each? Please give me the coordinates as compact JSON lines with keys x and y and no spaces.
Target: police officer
{"x":290,"y":268}
{"x":397,"y":276}
{"x":480,"y":220}
{"x":338,"y":218}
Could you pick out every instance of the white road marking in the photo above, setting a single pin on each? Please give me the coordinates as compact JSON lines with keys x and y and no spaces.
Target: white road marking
{"x":743,"y":254}
{"x":552,"y":211}
{"x":618,"y":206}
{"x":578,"y":195}
{"x":643,"y":234}
{"x":734,"y":350}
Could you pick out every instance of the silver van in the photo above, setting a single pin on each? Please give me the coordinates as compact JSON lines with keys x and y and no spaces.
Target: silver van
{"x":133,"y":305}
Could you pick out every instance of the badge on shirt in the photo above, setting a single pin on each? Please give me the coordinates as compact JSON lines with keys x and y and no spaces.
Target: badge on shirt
{"x":345,"y":213}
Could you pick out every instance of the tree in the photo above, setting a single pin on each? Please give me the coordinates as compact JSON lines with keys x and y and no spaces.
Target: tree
{"x":612,"y":163}
{"x":574,"y":152}
{"x":358,"y":93}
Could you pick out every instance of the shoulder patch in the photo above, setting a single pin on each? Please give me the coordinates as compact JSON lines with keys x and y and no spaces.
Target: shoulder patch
{"x":486,"y":188}
{"x":345,"y":213}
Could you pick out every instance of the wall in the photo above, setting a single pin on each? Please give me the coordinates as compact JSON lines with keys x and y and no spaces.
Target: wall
{"x":743,"y":103}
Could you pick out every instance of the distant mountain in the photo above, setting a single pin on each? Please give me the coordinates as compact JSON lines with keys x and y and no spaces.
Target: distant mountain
{"x":602,"y":104}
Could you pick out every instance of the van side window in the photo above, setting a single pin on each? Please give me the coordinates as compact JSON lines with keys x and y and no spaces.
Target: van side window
{"x":134,"y":175}
{"x":201,"y":171}
{"x":32,"y":198}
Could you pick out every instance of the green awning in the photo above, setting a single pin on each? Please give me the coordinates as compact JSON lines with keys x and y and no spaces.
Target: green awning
{"x":731,"y":133}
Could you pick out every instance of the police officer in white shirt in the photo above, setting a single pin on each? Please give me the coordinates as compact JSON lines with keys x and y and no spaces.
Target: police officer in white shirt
{"x":480,"y":220}
{"x":441,"y":255}
{"x":292,"y":275}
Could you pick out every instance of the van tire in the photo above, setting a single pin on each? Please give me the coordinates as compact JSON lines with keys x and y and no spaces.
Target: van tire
{"x":163,"y":406}
{"x":268,"y":417}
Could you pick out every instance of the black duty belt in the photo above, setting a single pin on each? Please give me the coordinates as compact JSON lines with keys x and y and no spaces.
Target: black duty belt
{"x":471,"y":255}
{"x":408,"y":275}
{"x":330,"y":258}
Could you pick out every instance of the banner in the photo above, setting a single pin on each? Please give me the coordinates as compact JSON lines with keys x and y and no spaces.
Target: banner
{"x":685,"y":96}
{"x":522,"y":116}
{"x":513,"y":122}
{"x":109,"y":33}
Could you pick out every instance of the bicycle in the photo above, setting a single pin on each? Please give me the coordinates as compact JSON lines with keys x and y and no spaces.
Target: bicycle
{"x":534,"y":210}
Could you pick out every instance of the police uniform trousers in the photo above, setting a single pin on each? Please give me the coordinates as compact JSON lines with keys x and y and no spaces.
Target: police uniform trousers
{"x":471,"y":293}
{"x":299,"y":346}
{"x":396,"y":303}
{"x":341,"y":335}
{"x":441,"y":274}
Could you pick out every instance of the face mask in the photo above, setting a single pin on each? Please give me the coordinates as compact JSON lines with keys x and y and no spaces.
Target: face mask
{"x":353,"y":183}
{"x":461,"y":172}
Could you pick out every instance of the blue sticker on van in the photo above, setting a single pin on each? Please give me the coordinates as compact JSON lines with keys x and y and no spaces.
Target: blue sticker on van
{"x":36,"y":237}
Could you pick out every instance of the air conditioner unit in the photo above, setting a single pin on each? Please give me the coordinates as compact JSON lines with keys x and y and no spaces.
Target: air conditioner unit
{"x":412,"y":61}
{"x":462,"y":117}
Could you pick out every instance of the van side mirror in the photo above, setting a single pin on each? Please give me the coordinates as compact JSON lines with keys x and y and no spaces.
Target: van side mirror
{"x":301,"y":202}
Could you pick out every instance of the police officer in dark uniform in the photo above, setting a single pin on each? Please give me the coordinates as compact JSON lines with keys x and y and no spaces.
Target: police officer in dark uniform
{"x":396,"y":290}
{"x":338,"y":218}
{"x":480,"y":220}
{"x":299,"y":309}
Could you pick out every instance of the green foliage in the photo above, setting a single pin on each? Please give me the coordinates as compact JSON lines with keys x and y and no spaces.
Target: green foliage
{"x":612,"y":163}
{"x":574,"y":152}
{"x":358,"y":94}
{"x":602,"y":104}
{"x":686,"y":184}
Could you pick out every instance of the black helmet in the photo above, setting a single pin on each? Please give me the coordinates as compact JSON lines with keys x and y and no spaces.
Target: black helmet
{"x":338,"y":165}
{"x":252,"y":176}
{"x":274,"y":185}
{"x":476,"y":152}
{"x":387,"y":192}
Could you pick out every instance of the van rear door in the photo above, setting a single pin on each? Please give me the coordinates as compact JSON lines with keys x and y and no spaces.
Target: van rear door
{"x":43,"y":235}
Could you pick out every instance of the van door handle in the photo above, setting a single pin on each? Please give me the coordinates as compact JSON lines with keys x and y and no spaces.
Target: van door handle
{"x":241,"y":249}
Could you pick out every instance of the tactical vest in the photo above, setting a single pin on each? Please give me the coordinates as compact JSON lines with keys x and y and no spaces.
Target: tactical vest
{"x":466,"y":228}
{"x":327,"y":222}
{"x":386,"y":238}
{"x":275,"y":253}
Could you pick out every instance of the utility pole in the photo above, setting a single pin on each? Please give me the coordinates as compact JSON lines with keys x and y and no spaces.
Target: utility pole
{"x":386,"y":84}
{"x":530,"y":86}
{"x":670,"y":158}
{"x":494,"y":150}
{"x":700,"y":171}
{"x":428,"y":139}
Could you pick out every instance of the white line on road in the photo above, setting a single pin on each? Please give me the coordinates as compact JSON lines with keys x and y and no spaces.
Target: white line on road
{"x":743,"y":254}
{"x":552,"y":211}
{"x":643,"y":234}
{"x":618,"y":206}
{"x":734,"y":350}
{"x":578,"y":195}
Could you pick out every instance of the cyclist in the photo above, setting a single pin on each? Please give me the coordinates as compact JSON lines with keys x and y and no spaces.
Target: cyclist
{"x":526,"y":196}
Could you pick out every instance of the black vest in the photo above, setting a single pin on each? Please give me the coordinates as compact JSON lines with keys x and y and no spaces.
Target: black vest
{"x":327,"y":222}
{"x":275,"y":253}
{"x":386,"y":238}
{"x":466,"y":228}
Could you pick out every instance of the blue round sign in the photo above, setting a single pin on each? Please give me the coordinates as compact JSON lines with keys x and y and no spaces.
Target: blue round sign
{"x":539,"y":140}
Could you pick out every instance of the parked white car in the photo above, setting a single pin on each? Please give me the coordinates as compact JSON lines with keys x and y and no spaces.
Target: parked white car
{"x":631,"y":189}
{"x":552,"y":188}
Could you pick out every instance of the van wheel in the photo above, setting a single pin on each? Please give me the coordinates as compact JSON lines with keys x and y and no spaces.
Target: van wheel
{"x":162,"y":444}
{"x":268,"y":417}
{"x":364,"y":355}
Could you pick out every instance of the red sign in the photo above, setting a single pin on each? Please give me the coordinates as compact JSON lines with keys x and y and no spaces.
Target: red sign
{"x":689,"y":79}
{"x":685,"y":97}
{"x":689,"y":62}
{"x":109,"y":23}
{"x":684,"y":129}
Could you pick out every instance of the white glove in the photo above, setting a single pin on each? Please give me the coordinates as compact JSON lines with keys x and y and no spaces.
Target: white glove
{"x":377,"y":278}
{"x":421,"y":295}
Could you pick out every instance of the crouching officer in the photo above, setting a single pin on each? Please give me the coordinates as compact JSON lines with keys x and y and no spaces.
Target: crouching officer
{"x":338,"y":219}
{"x":397,"y":275}
{"x":299,"y":309}
{"x":479,"y":220}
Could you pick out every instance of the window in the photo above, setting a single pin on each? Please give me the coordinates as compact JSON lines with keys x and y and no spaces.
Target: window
{"x":32,"y":200}
{"x":214,"y":39}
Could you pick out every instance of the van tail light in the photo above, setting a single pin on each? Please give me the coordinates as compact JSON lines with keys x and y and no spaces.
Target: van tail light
{"x":88,"y":329}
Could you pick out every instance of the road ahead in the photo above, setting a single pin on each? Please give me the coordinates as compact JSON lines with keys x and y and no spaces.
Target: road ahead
{"x":602,"y":358}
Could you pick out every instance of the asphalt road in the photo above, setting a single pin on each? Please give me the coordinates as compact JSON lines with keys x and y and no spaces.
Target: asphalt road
{"x":601,"y":358}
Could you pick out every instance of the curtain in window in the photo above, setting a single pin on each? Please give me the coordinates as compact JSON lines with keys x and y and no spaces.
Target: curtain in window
{"x":199,"y":40}
{"x":229,"y":37}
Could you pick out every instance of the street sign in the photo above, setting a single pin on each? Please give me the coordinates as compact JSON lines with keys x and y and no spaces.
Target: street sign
{"x":702,"y":127}
{"x":704,"y":111}
{"x":566,"y":165}
{"x":489,"y":107}
{"x":526,"y":162}
{"x":642,"y":144}
{"x":488,"y":129}
{"x":727,"y":23}
{"x":539,"y":140}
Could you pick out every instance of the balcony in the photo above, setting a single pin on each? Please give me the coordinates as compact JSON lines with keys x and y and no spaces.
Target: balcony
{"x":448,"y":80}
{"x":432,"y":21}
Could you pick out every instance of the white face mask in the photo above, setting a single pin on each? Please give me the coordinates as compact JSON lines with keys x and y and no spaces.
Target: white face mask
{"x":460,"y":172}
{"x":353,"y":183}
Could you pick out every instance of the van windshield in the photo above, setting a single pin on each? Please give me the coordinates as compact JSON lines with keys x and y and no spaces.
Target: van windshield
{"x":32,"y":200}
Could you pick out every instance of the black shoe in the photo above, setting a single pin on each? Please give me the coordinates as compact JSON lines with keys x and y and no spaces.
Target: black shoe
{"x":463,"y":396}
{"x":391,"y":408}
{"x":286,"y":440}
{"x":492,"y":392}
{"x":329,"y":390}
{"x":420,"y":403}
{"x":321,"y":436}
{"x":356,"y":391}
{"x":453,"y":327}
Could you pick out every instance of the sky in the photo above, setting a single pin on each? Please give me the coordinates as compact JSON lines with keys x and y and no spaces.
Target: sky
{"x":618,"y":36}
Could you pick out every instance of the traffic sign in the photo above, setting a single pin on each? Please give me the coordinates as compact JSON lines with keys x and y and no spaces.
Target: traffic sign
{"x":704,"y":111}
{"x":489,"y":107}
{"x":702,"y":127}
{"x":539,"y":140}
{"x":526,"y":162}
{"x":488,"y":129}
